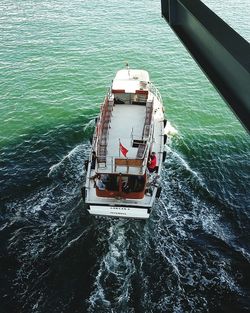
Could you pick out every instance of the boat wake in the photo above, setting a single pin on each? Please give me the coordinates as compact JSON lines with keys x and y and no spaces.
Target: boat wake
{"x":42,"y":229}
{"x":180,"y":260}
{"x":170,"y":130}
{"x":112,"y":286}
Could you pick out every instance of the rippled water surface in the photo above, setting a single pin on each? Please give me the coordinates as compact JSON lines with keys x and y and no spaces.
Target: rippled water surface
{"x":57,"y":59}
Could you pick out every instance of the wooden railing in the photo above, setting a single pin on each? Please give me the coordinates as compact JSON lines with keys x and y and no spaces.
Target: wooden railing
{"x":103,"y":129}
{"x":148,"y":119}
{"x":141,"y":151}
{"x":118,"y":194}
{"x":102,"y":133}
{"x":129,"y":163}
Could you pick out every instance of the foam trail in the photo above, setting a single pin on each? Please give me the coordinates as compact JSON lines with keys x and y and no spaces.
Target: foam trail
{"x":176,"y":156}
{"x":113,"y":281}
{"x":46,"y":228}
{"x":74,"y":154}
{"x":182,"y":266}
{"x":90,"y":124}
{"x":170,"y":130}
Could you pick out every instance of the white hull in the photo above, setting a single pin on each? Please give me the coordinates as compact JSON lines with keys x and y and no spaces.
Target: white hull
{"x":120,"y":211}
{"x":131,"y":122}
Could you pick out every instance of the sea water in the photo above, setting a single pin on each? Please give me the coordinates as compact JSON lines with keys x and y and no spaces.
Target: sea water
{"x":57,"y":59}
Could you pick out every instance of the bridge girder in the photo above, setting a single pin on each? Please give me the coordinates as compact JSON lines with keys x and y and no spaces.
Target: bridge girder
{"x":222,"y":54}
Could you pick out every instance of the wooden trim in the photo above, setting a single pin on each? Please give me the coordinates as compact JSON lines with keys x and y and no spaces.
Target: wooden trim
{"x":129,"y":162}
{"x":142,"y":92}
{"x":118,"y":90}
{"x":115,"y":194}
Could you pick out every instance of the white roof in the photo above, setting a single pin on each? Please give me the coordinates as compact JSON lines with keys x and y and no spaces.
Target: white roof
{"x":130,"y":80}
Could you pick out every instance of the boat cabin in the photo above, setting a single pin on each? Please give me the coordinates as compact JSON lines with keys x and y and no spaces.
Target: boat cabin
{"x":121,"y":186}
{"x":124,"y":137}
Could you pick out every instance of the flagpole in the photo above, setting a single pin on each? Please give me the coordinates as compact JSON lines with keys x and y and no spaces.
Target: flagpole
{"x":119,"y":148}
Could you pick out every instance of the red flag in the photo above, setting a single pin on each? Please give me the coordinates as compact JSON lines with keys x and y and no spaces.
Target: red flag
{"x":123,"y":150}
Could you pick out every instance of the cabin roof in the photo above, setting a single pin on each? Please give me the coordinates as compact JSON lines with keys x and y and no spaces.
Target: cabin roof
{"x":130,"y":80}
{"x":130,"y":74}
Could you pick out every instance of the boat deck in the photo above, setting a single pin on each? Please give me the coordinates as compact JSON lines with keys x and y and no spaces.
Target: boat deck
{"x":132,"y":126}
{"x":131,"y":119}
{"x":147,"y":201}
{"x":127,"y":119}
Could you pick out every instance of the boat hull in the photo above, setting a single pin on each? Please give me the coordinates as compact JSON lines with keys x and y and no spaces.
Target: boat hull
{"x":124,"y":166}
{"x":119,"y":211}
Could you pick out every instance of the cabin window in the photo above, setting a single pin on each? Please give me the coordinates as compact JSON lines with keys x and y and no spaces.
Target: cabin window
{"x":139,"y":99}
{"x":112,"y":182}
{"x":130,"y":98}
{"x":118,"y":100}
{"x":122,"y":98}
{"x":120,"y":183}
{"x":138,"y":142}
{"x":133,"y":183}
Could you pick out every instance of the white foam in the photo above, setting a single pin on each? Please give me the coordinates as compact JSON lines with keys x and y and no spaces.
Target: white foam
{"x":72,"y":155}
{"x":170,"y":130}
{"x":90,"y":124}
{"x":116,"y":262}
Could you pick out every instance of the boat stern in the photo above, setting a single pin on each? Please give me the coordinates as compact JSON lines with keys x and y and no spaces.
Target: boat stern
{"x":119,"y":211}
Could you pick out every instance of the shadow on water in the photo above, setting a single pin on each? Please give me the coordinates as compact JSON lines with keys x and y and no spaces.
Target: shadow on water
{"x":24,"y":164}
{"x":46,"y":242}
{"x":185,"y":258}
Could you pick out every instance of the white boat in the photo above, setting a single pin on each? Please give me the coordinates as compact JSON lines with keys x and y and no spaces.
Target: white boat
{"x":120,"y":182}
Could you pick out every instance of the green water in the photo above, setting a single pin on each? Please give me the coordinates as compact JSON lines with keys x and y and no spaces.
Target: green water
{"x":57,"y":59}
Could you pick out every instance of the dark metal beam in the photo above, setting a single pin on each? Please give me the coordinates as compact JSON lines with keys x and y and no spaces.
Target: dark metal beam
{"x":222,"y":54}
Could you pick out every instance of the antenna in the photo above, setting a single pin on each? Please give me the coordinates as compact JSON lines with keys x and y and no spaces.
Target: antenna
{"x":127,"y":66}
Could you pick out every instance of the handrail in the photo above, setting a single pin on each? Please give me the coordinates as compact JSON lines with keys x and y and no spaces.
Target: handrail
{"x":103,"y":129}
{"x":155,"y":91}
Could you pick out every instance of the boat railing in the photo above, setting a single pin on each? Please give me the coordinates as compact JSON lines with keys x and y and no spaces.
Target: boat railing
{"x":114,"y":164}
{"x":102,"y":129}
{"x":128,"y":163}
{"x":142,"y":148}
{"x":148,"y":120}
{"x":105,"y":162}
{"x":155,"y":91}
{"x":136,"y":139}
